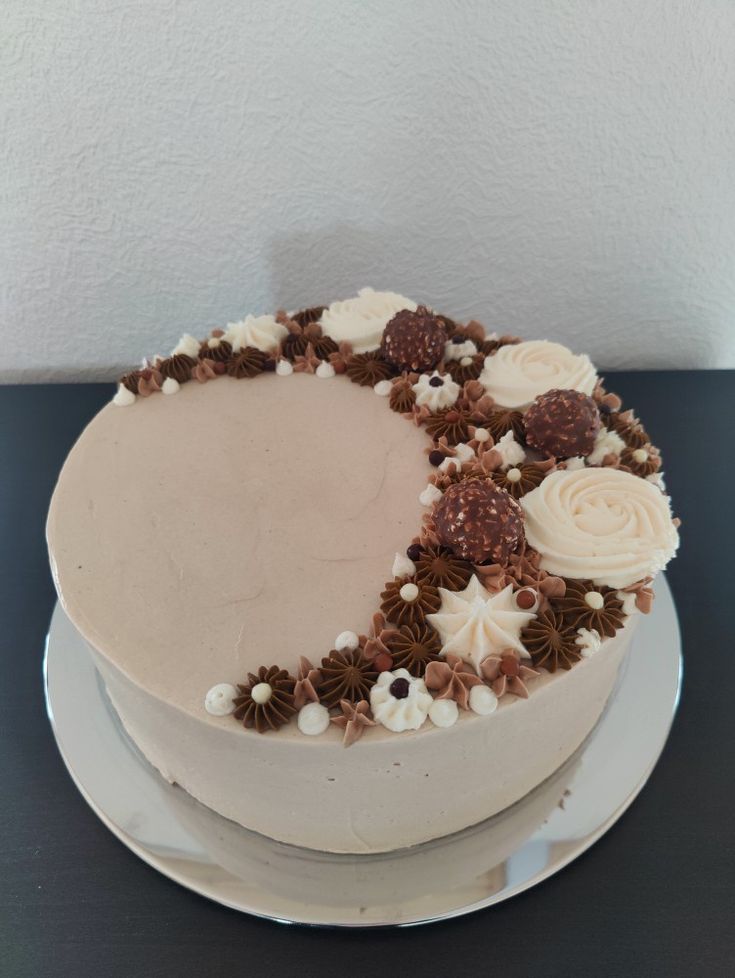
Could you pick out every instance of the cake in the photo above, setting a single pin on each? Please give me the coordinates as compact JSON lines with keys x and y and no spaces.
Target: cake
{"x":369,"y":577}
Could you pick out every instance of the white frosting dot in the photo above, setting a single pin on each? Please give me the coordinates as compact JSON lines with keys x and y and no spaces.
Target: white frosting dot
{"x":403,"y":566}
{"x":430,"y":495}
{"x":261,"y":693}
{"x":383,"y":388}
{"x":170,"y":386}
{"x":313,"y":719}
{"x":219,"y":701}
{"x":213,"y":342}
{"x":284,"y":368}
{"x":409,"y":592}
{"x":482,"y":434}
{"x":595,"y":600}
{"x":513,"y":475}
{"x":123,"y":397}
{"x":465,"y":361}
{"x":325,"y":369}
{"x":483,"y":700}
{"x":443,"y":713}
{"x":606,"y":443}
{"x":463,"y":452}
{"x":588,"y":641}
{"x":629,"y":602}
{"x":510,"y":451}
{"x":188,"y":345}
{"x":640,"y":455}
{"x":346,"y":640}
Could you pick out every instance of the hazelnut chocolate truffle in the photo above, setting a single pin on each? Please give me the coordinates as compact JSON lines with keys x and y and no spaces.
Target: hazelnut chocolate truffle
{"x":479,"y":521}
{"x":562,"y":423}
{"x":413,"y":340}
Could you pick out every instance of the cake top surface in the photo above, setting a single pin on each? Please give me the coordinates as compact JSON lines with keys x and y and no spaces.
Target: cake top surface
{"x":192,"y":544}
{"x":279,"y":543}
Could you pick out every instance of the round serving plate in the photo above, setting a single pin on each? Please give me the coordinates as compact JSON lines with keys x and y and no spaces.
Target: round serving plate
{"x":475,"y":868}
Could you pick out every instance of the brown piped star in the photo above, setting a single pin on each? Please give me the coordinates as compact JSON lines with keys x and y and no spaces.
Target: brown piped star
{"x":355,"y":719}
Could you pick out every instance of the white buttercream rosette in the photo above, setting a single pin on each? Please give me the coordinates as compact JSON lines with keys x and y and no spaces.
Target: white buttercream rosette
{"x":519,"y":372}
{"x":604,"y":525}
{"x":405,"y":713}
{"x":360,"y":321}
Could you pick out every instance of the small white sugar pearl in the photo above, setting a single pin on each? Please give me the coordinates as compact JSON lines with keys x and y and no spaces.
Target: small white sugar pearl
{"x":346,"y":640}
{"x":482,"y":434}
{"x":443,"y":713}
{"x":123,"y":397}
{"x":430,"y":495}
{"x":640,"y":455}
{"x":483,"y":700}
{"x":403,"y":566}
{"x":313,"y":719}
{"x":284,"y":368}
{"x":513,"y":475}
{"x":219,"y":701}
{"x":383,"y":388}
{"x":465,"y":361}
{"x":213,"y":342}
{"x":325,"y":369}
{"x":261,"y":693}
{"x":595,"y":600}
{"x":409,"y":592}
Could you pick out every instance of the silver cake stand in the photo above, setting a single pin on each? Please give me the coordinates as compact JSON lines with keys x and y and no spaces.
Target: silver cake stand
{"x":475,"y":868}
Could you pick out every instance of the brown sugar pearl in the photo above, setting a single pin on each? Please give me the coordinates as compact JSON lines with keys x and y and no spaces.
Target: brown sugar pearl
{"x":526,"y":599}
{"x":383,"y":661}
{"x":510,"y":666}
{"x":399,"y":688}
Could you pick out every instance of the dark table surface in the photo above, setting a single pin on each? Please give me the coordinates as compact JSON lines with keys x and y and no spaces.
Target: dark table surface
{"x":653,"y":897}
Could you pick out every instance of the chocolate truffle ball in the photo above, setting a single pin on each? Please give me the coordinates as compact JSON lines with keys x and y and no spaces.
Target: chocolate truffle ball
{"x":562,"y":423}
{"x":479,"y":521}
{"x":413,"y":340}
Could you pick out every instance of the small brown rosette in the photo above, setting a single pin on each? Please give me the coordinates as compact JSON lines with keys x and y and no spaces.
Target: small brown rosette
{"x":346,"y":675}
{"x":271,"y":713}
{"x":551,"y":642}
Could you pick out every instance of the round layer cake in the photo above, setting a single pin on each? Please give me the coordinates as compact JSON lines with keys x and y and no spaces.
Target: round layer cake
{"x":369,"y":577}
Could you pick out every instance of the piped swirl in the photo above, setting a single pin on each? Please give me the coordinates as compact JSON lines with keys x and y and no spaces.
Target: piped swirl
{"x":517,"y":374}
{"x":603,"y":525}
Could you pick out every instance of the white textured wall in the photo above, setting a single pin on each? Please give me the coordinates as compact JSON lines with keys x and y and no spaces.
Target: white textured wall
{"x":559,"y":168}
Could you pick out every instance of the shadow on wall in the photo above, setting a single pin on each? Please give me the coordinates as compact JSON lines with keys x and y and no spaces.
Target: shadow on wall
{"x":317,"y":268}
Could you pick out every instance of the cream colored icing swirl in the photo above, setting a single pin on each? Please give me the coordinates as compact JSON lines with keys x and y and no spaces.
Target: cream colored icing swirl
{"x":360,"y":321}
{"x":600,"y":524}
{"x":474,"y":624}
{"x":519,"y":372}
{"x":262,"y":332}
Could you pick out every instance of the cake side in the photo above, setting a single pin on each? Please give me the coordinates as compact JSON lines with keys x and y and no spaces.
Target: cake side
{"x":392,"y":793}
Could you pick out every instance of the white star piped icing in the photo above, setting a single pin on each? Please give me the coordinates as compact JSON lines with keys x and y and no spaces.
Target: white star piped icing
{"x":474,"y":624}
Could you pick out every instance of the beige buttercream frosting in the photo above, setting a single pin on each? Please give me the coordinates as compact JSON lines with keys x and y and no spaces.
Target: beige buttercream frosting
{"x":516,"y":374}
{"x":360,"y":321}
{"x":238,"y":524}
{"x":261,"y":332}
{"x":600,"y":524}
